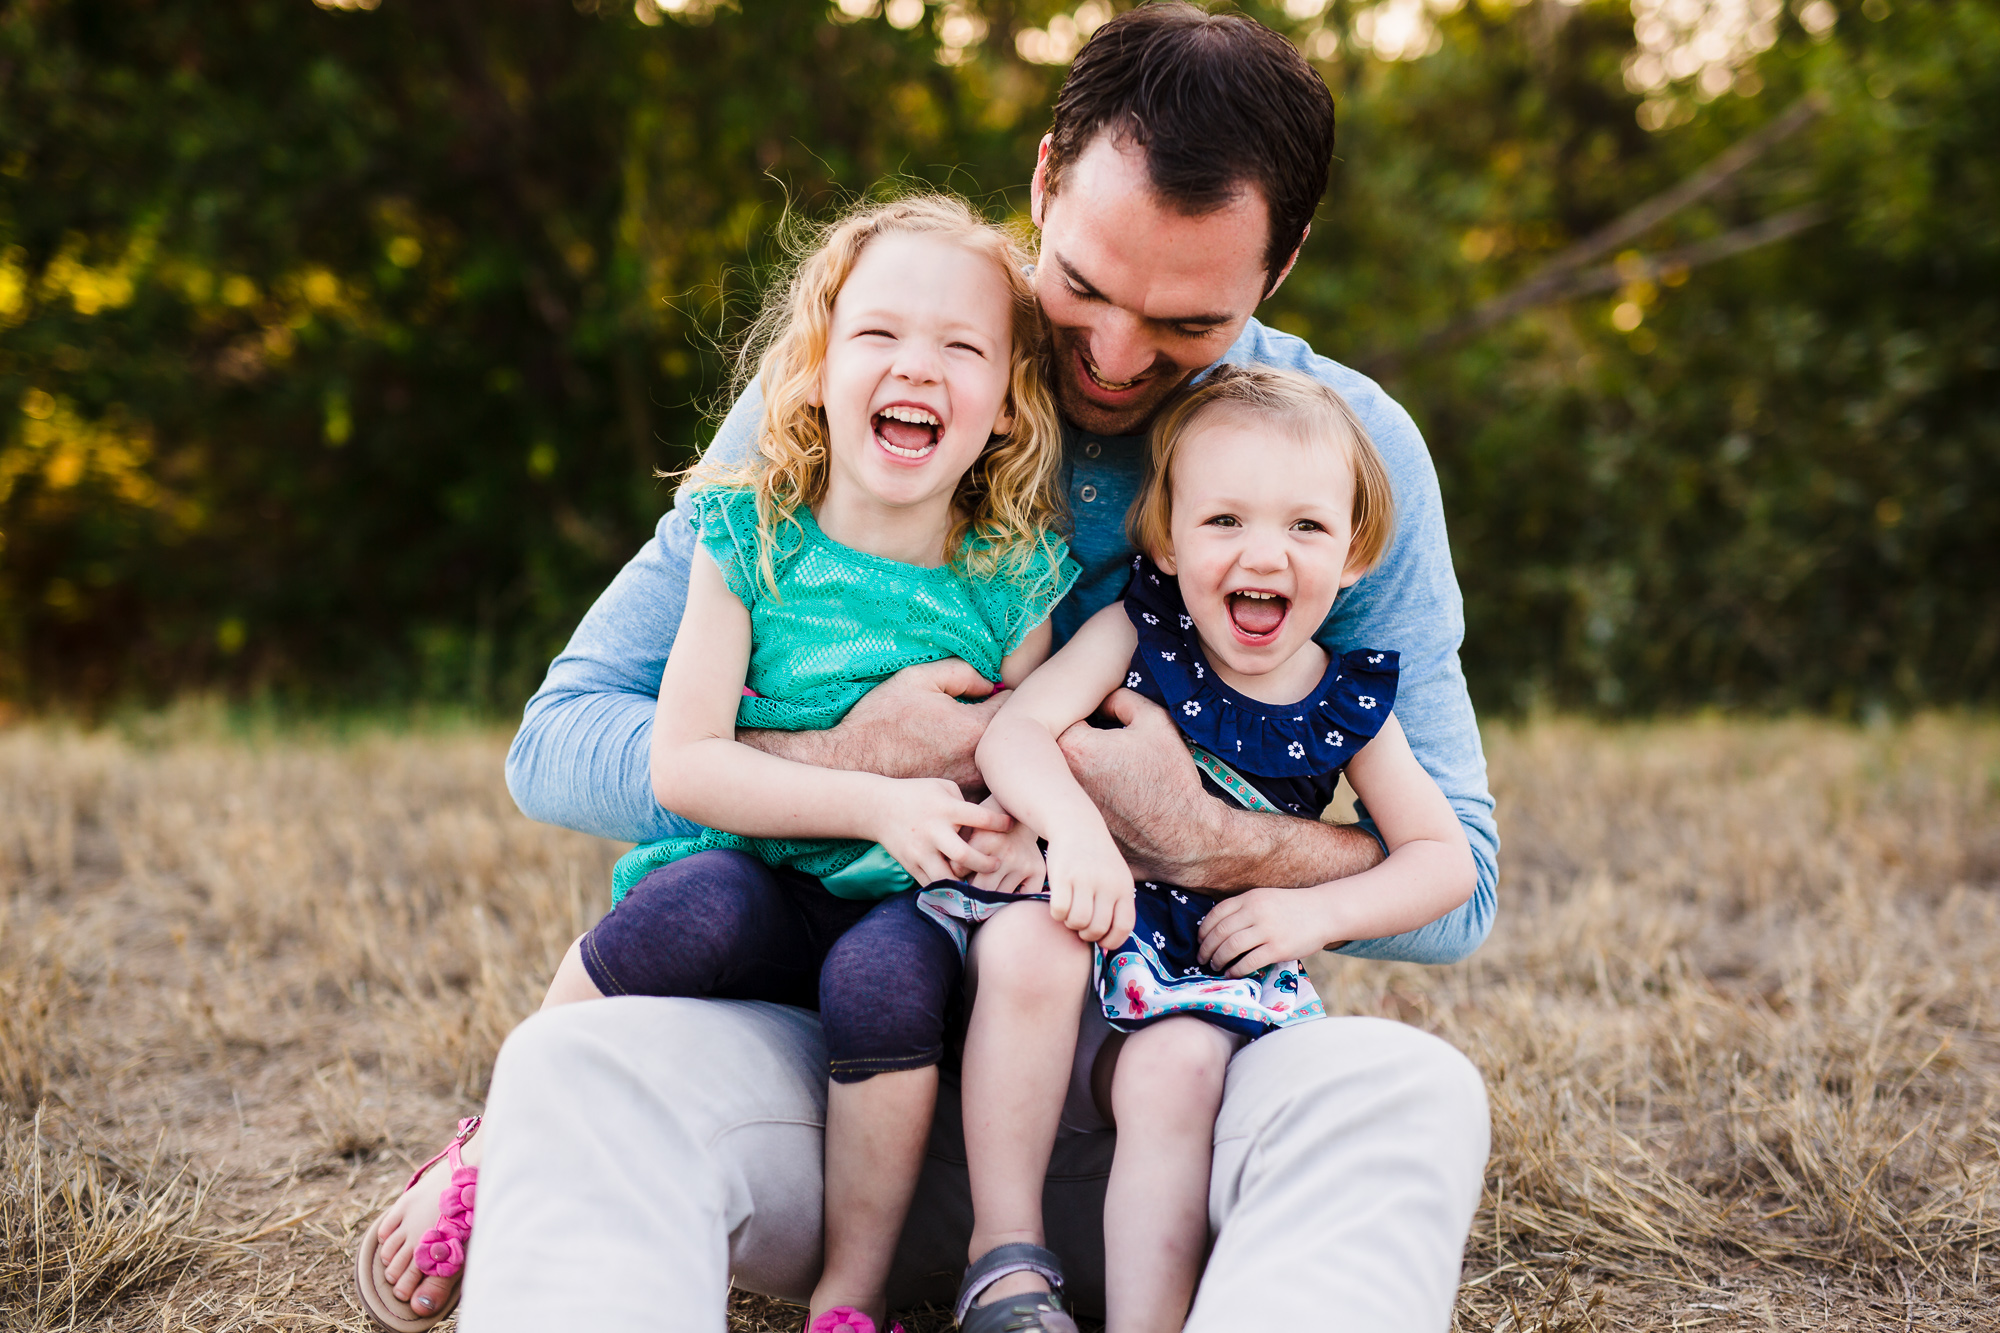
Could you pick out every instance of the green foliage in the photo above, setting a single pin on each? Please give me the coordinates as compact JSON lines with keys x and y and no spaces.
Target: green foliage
{"x":338,"y":348}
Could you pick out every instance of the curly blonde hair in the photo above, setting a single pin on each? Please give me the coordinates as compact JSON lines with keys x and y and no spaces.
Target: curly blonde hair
{"x":1007,"y":503}
{"x":1289,"y":401}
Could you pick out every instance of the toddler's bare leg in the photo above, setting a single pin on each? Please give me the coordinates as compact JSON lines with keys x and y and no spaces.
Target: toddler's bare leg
{"x":1165,"y":1093}
{"x":876,"y":1131}
{"x":1028,"y":974}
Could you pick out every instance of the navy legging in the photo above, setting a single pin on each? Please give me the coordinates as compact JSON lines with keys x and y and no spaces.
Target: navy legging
{"x":723,"y":925}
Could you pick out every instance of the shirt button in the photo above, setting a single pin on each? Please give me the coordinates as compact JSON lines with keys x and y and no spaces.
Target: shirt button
{"x":1092,"y":449}
{"x":1087,"y":494}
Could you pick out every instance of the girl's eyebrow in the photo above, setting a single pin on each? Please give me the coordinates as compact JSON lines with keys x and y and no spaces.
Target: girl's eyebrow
{"x":952,"y":324}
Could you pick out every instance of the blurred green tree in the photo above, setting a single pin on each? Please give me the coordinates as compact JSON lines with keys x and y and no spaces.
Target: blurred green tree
{"x":339,"y":344}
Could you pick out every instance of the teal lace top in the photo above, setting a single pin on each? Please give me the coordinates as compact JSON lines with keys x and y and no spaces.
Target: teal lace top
{"x":840,"y":623}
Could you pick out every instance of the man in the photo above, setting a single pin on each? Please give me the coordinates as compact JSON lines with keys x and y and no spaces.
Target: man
{"x":651,"y":1148}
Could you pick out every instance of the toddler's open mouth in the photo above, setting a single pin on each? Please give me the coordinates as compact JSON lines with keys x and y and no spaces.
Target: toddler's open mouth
{"x":907,"y":432}
{"x":1256,"y":614}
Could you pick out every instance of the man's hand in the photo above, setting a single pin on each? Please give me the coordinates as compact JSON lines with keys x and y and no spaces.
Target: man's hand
{"x":912,"y":725}
{"x":1150,"y":794}
{"x":921,"y":825}
{"x":1261,"y":927}
{"x":1018,"y":855}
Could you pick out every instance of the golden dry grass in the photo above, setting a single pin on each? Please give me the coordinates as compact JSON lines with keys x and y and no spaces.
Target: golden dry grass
{"x":1736,"y":1018}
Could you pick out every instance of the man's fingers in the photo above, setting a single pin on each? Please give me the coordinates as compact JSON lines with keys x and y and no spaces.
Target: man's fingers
{"x":952,"y":676}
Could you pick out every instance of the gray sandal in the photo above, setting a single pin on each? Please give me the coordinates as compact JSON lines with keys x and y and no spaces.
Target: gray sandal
{"x":1030,"y":1312}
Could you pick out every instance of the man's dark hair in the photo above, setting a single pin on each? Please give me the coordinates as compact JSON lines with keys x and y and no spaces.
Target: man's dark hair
{"x":1218,"y":101}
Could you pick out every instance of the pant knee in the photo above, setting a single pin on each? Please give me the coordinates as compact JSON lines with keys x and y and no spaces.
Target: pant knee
{"x":886,"y":993}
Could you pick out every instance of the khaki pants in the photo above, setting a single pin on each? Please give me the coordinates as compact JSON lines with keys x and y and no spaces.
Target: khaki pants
{"x":646,"y":1150}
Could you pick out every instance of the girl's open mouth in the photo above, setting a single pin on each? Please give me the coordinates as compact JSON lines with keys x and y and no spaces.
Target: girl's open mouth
{"x":907,"y":432}
{"x":1255,"y":615}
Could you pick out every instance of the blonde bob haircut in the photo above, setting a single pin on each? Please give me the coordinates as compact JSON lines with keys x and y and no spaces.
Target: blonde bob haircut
{"x":1007,"y":502}
{"x":1296,"y":404}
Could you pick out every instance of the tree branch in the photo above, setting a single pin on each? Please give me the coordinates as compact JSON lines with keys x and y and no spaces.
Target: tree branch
{"x":1556,"y":279}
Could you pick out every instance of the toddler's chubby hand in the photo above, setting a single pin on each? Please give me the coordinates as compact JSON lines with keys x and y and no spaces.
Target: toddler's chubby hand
{"x":1090,"y":888}
{"x":920,"y":820}
{"x":1259,"y":927}
{"x":1020,"y":868}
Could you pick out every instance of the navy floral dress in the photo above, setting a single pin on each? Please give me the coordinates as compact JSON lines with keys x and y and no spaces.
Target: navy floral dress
{"x":1281,"y":758}
{"x":1286,"y":758}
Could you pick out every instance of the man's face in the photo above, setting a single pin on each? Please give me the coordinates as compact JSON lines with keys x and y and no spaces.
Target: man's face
{"x":1139,"y":296}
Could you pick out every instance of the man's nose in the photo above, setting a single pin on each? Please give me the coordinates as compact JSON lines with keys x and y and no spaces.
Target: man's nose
{"x":1120,"y":348}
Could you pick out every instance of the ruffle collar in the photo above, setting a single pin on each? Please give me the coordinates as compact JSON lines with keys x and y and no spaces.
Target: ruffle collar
{"x":1317,"y":734}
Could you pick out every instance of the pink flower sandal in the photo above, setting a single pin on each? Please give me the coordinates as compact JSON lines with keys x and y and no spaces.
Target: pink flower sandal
{"x":846,"y":1319}
{"x":440,"y":1251}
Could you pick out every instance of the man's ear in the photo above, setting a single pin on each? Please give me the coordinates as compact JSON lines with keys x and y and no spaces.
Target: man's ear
{"x":1286,"y":271}
{"x":1038,"y":193}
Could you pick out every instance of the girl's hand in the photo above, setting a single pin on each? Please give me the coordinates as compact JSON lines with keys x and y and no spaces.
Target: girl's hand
{"x":1019,"y":856}
{"x":1261,"y":927}
{"x":919,"y":824}
{"x":1090,"y":888}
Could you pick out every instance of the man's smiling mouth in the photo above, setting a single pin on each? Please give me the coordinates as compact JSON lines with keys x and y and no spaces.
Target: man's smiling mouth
{"x":1109,"y":386}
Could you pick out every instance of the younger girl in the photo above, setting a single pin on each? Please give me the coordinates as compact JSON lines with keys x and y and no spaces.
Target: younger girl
{"x":1264,"y":499}
{"x":897,"y":511}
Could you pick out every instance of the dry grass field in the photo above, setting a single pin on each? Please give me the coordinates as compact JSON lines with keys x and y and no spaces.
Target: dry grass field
{"x":1738,"y":1017}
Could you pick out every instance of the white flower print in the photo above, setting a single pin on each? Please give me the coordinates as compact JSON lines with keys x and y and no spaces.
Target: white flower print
{"x":1187,"y":622}
{"x":1366,"y":700}
{"x":1131,"y":680}
{"x":1295,"y":750}
{"x":1177,"y":895}
{"x":1335,"y":739}
{"x":1167,"y":657}
{"x":1200,"y":671}
{"x":1374,"y":658}
{"x":1149,"y":617}
{"x":1155,"y":579}
{"x":1192,"y":708}
{"x":1159,"y":940}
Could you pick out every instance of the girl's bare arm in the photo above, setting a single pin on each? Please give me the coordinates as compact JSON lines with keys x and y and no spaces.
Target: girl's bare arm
{"x":1429,"y":872}
{"x":1090,"y":887}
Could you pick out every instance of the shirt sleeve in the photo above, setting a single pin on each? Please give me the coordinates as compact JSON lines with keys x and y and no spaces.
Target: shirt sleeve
{"x":583,"y":756}
{"x":1411,"y":603}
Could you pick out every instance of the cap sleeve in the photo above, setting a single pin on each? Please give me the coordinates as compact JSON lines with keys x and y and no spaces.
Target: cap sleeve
{"x":725,"y":518}
{"x":1015,"y":600}
{"x":1315,"y":735}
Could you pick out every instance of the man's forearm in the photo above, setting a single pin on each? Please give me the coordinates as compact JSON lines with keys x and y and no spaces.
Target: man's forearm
{"x":1248,"y":850}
